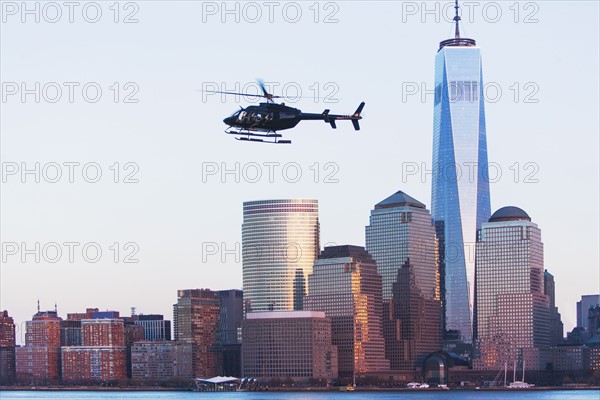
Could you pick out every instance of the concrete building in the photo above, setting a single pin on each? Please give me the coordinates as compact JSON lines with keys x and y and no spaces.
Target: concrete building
{"x":346,"y":286}
{"x":512,"y":321}
{"x":38,"y":362}
{"x":280,"y":242}
{"x":402,"y":241}
{"x":159,"y":361}
{"x":570,"y":357}
{"x":7,"y":349}
{"x":288,"y":345}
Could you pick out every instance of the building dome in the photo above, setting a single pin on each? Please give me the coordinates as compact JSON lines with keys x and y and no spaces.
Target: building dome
{"x":509,"y":213}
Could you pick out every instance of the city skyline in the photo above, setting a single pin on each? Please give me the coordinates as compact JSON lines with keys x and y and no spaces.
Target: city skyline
{"x":171,"y":212}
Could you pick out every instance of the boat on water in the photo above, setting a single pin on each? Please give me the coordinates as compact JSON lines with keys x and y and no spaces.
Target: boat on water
{"x":515,"y":384}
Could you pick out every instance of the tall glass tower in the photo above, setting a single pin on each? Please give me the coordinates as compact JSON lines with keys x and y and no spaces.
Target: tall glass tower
{"x":460,"y":197}
{"x":280,"y":242}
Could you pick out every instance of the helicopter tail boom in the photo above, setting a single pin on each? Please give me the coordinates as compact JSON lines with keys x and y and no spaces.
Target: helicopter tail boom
{"x":331,"y":118}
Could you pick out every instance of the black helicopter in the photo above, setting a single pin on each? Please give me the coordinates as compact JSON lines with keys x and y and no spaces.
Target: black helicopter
{"x":262,"y":122}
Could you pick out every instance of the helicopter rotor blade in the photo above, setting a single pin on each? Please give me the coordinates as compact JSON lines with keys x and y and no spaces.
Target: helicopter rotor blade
{"x":261,"y":83}
{"x":234,"y":93}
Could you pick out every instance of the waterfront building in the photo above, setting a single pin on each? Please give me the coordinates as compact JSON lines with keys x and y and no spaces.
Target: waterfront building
{"x":346,"y":286}
{"x":402,"y":241}
{"x":7,"y":348}
{"x":512,"y":321}
{"x":159,"y":361}
{"x":583,"y":306}
{"x":197,"y":318}
{"x":292,"y":345}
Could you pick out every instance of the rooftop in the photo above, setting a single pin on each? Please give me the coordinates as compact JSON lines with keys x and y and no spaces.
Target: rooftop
{"x":509,"y":213}
{"x":399,"y":199}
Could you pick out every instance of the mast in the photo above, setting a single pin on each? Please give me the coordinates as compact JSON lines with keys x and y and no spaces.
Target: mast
{"x":505,"y":368}
{"x":523,"y":380}
{"x":456,"y":21}
{"x":515,"y":371}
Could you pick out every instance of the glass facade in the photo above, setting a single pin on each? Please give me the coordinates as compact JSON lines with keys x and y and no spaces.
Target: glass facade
{"x":401,"y":239}
{"x":280,"y":242}
{"x":346,"y":286}
{"x":460,"y":186}
{"x":511,"y":310}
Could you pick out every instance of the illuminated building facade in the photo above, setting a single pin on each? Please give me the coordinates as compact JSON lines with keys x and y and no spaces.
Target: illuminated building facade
{"x":197,"y":320}
{"x":512,"y":320}
{"x":460,"y":196}
{"x":346,"y":286}
{"x":401,"y":239}
{"x":280,"y":242}
{"x":38,"y":362}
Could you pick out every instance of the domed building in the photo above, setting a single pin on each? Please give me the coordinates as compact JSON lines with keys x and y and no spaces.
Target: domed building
{"x":511,"y":314}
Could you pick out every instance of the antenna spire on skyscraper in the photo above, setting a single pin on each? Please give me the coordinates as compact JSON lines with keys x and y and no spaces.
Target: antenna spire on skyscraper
{"x":456,"y":21}
{"x":38,"y":305}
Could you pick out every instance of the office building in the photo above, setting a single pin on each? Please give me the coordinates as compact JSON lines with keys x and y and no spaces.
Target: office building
{"x":280,"y":242}
{"x":346,"y":286}
{"x":288,"y":345}
{"x":401,"y":239}
{"x":512,"y":321}
{"x":460,"y":197}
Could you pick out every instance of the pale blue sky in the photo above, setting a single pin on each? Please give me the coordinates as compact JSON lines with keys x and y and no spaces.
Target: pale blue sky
{"x":374,"y":52}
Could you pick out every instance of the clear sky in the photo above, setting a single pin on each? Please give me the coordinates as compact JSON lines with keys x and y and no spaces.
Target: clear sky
{"x":540,"y":60}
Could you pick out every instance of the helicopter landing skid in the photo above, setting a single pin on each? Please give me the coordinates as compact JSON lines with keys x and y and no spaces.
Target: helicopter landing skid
{"x":250,"y":136}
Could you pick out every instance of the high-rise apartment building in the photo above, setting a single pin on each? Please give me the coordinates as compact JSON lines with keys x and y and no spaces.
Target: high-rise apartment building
{"x":401,"y":239}
{"x":38,"y":362}
{"x":7,"y":349}
{"x":197,"y":318}
{"x":512,"y":321}
{"x":280,"y":242}
{"x":102,"y":357}
{"x":346,"y":286}
{"x":460,"y":197}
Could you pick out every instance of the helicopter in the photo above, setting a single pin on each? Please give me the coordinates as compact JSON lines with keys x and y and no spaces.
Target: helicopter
{"x":260,"y":123}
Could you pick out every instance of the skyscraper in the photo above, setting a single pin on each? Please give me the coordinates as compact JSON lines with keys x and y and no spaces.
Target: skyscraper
{"x":280,"y":242}
{"x":7,"y":349}
{"x":196,"y":317}
{"x":556,"y":325}
{"x":401,"y":239}
{"x":346,"y":286}
{"x":512,"y":322}
{"x":587,"y":301}
{"x":460,"y":196}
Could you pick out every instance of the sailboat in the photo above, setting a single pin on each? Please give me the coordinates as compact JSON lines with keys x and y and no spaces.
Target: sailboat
{"x":515,"y":384}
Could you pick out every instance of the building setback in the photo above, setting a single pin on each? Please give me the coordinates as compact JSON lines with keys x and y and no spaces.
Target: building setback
{"x":401,"y":239}
{"x":38,"y":362}
{"x":346,"y":286}
{"x":512,"y":321}
{"x":556,"y":325}
{"x":7,"y":349}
